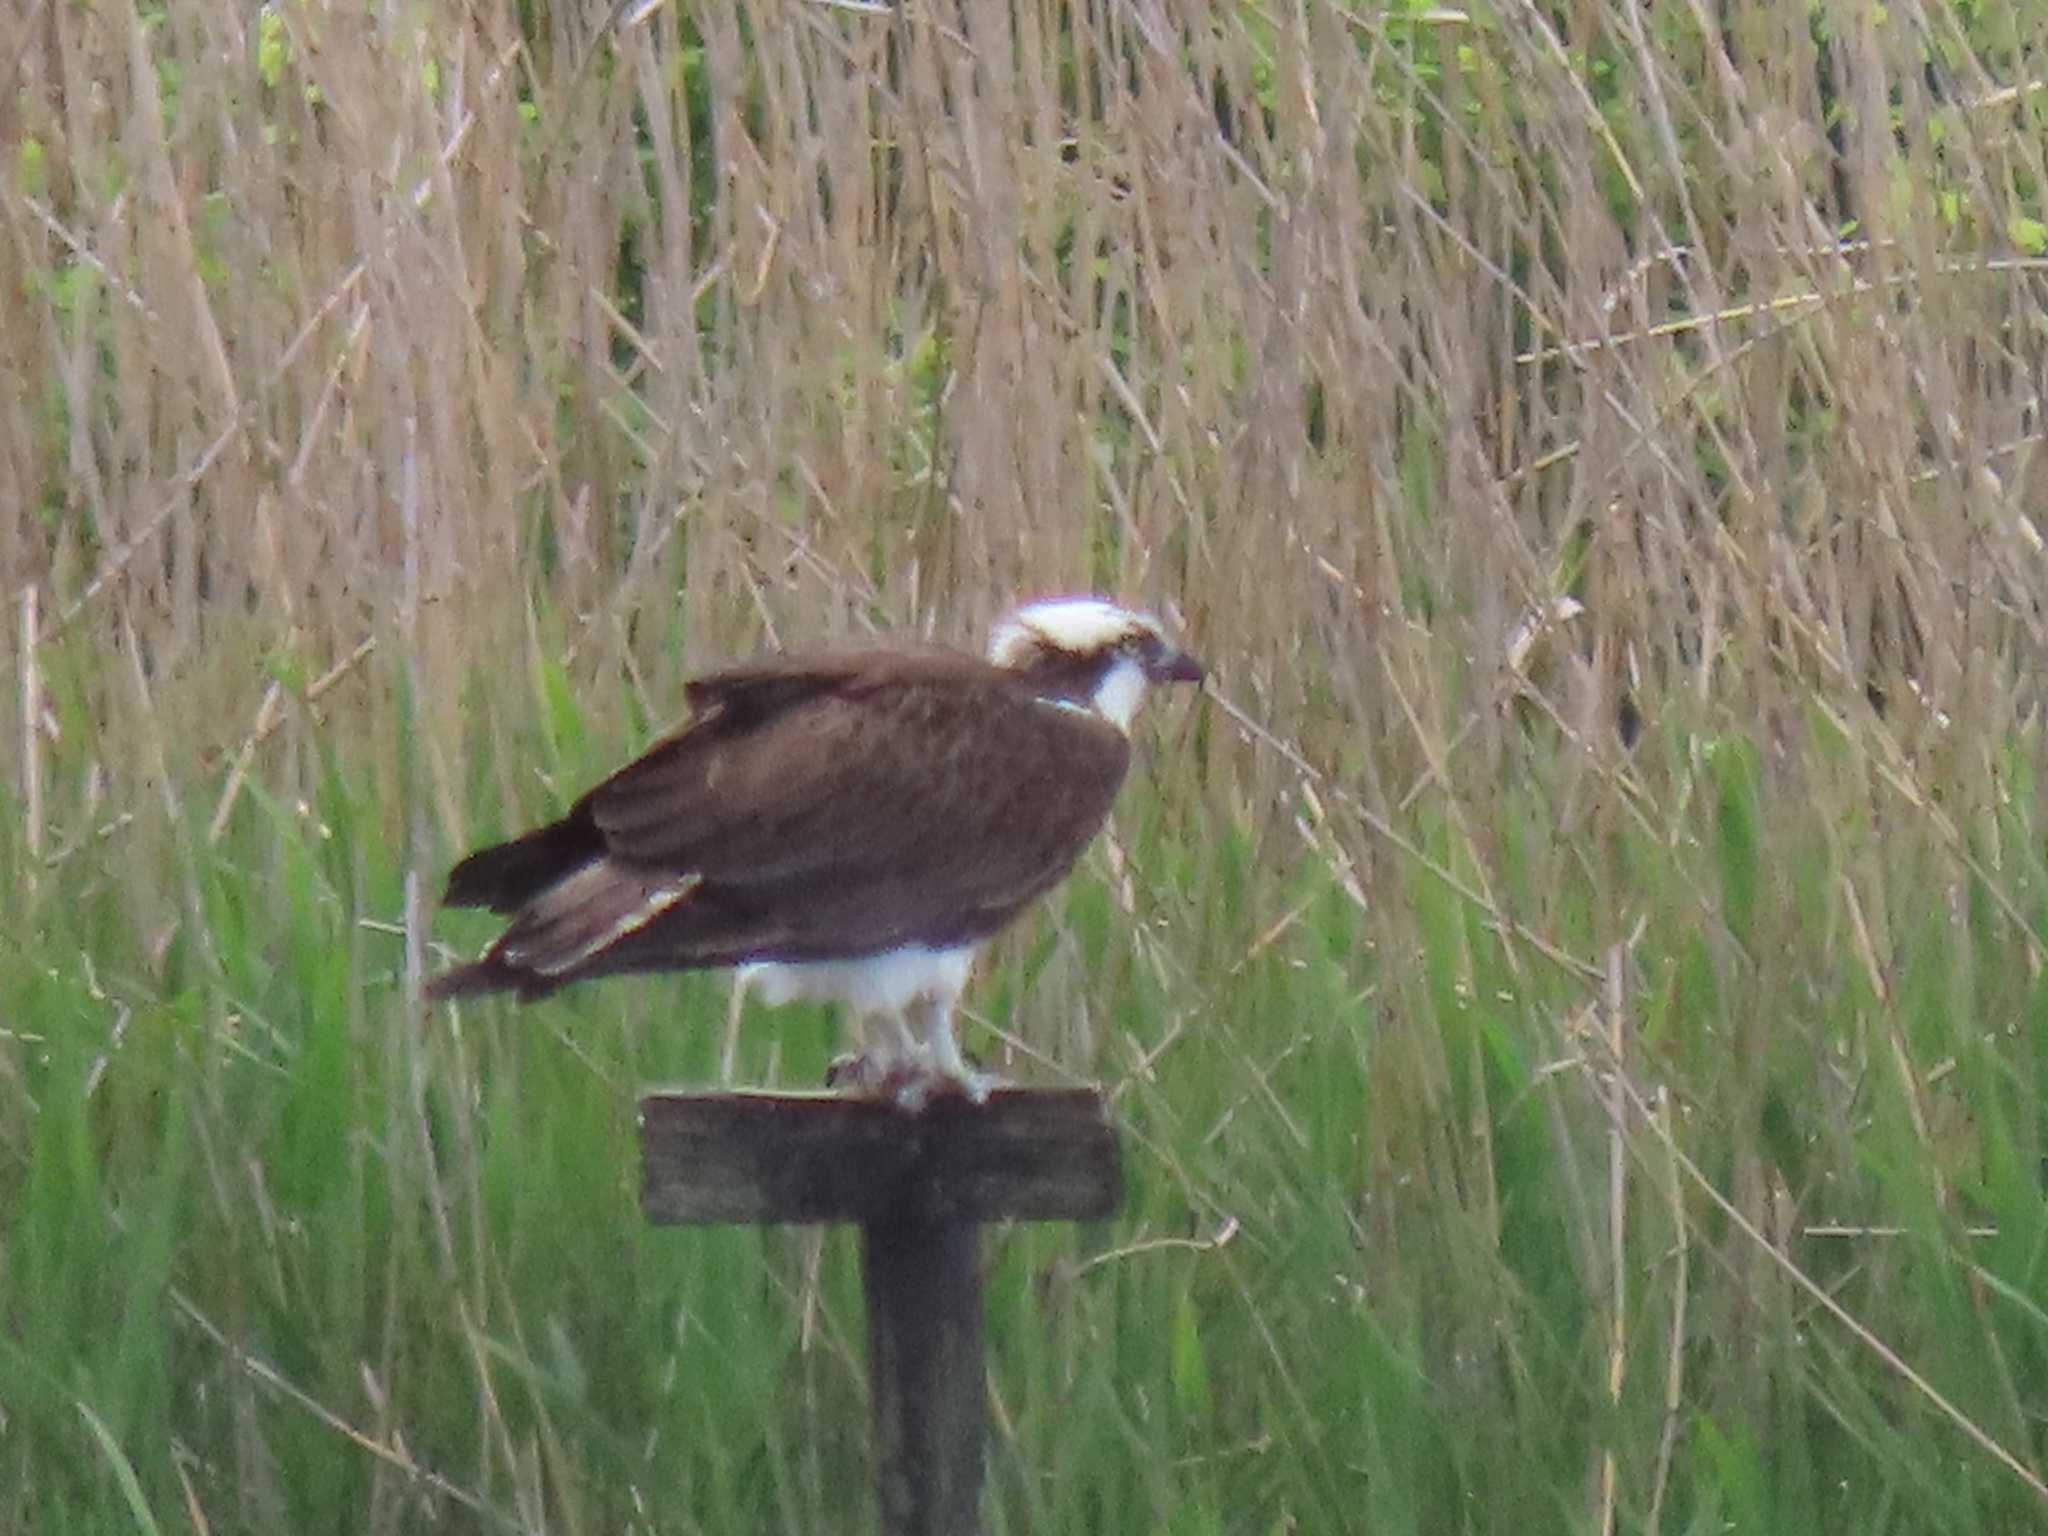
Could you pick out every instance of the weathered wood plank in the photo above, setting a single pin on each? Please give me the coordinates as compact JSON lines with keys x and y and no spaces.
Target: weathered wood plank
{"x":919,"y":1183}
{"x":927,"y":1380}
{"x":1026,"y":1155}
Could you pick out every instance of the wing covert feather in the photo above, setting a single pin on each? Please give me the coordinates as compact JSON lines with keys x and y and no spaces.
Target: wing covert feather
{"x":903,"y":802}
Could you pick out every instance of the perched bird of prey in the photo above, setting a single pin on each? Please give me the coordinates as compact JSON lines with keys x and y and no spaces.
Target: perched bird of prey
{"x":843,"y":827}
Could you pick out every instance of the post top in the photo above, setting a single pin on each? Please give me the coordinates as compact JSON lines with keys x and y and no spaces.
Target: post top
{"x":1027,"y":1154}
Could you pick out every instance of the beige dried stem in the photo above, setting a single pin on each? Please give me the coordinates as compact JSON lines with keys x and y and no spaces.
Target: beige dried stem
{"x":31,"y":734}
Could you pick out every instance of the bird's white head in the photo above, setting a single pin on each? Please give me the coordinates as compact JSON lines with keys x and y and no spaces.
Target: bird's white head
{"x":1090,"y":652}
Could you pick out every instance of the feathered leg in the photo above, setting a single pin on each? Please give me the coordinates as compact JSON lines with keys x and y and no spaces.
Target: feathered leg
{"x":947,"y":1069}
{"x":889,"y":1056}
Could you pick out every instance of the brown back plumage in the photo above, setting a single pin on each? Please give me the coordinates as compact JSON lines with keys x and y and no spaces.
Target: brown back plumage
{"x":814,"y":808}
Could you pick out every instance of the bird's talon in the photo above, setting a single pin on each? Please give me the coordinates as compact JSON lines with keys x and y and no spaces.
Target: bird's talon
{"x":975,"y":1087}
{"x":853,"y":1072}
{"x":912,"y":1092}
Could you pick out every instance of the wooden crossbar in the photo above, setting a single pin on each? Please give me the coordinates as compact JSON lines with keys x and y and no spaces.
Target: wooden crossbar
{"x":918,"y":1184}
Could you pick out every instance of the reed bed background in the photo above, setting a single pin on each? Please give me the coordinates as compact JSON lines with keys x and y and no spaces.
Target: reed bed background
{"x":1573,"y":988}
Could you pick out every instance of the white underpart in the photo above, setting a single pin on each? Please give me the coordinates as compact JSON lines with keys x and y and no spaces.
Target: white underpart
{"x":1121,"y":690}
{"x":913,"y":987}
{"x":885,"y":983}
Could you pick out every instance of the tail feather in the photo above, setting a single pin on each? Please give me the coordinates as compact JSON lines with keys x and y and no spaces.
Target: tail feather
{"x":506,"y":876}
{"x":569,"y":929}
{"x":481,"y":977}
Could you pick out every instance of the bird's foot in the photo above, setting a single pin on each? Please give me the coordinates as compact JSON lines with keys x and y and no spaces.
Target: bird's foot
{"x":909,"y":1084}
{"x":975,"y":1084}
{"x":915,"y":1088}
{"x":856,"y":1072}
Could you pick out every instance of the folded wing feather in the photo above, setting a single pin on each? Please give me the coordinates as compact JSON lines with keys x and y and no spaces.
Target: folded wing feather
{"x":831,"y":812}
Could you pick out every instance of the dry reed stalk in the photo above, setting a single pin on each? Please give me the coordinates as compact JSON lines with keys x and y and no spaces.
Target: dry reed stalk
{"x":269,"y":716}
{"x":1618,"y":1058}
{"x":1127,"y":298}
{"x":1681,"y":1275}
{"x":31,"y":734}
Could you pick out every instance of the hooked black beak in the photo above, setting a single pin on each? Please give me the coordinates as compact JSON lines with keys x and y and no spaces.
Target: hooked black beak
{"x":1176,"y":667}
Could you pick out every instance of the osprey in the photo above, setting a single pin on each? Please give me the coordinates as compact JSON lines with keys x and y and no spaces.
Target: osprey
{"x":844,"y":827}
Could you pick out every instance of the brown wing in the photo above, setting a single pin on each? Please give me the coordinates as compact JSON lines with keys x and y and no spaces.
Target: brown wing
{"x":812,"y":812}
{"x":924,"y":800}
{"x":509,"y":875}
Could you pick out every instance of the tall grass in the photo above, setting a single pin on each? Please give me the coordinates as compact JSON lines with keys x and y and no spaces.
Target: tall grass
{"x":1573,"y":992}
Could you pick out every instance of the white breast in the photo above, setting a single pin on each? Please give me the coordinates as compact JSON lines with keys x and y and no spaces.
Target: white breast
{"x":1120,"y":692}
{"x":885,"y":983}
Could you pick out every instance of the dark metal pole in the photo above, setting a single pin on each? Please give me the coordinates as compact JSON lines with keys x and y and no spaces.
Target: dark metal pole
{"x":926,"y":1372}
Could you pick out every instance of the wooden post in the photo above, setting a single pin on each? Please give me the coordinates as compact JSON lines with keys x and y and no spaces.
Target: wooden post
{"x":927,"y":1379}
{"x":919,"y":1184}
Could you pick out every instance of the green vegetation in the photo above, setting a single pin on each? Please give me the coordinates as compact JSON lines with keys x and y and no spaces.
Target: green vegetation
{"x":1574,"y":991}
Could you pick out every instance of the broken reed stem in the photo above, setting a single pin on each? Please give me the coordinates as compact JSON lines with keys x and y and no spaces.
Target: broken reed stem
{"x":266,"y":721}
{"x":1805,"y":300}
{"x":269,"y":716}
